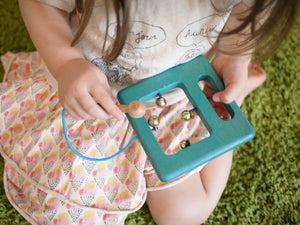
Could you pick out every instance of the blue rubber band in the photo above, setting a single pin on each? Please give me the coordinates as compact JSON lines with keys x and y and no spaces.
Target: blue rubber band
{"x":193,"y":109}
{"x":159,"y":95}
{"x":85,"y":157}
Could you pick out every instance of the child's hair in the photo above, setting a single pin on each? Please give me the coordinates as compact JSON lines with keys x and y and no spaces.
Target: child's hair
{"x":267,"y":36}
{"x":84,"y":8}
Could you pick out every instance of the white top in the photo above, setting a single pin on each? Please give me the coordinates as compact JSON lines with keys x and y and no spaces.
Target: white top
{"x":162,"y":35}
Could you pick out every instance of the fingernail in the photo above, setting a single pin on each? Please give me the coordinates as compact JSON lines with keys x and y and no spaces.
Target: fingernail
{"x":119,"y":115}
{"x":216,"y":98}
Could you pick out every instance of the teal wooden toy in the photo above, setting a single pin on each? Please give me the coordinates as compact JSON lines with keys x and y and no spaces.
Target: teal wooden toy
{"x":224,"y":135}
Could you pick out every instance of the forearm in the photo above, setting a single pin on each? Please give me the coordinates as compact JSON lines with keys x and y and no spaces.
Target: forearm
{"x":50,"y":32}
{"x":233,"y":55}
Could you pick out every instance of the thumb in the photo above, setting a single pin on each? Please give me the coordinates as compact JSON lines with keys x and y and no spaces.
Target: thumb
{"x":234,"y":83}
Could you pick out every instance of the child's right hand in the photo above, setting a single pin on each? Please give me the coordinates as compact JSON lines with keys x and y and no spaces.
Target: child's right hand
{"x":84,"y":91}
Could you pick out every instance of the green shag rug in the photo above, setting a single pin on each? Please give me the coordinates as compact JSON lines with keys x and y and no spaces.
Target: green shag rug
{"x":264,"y":184}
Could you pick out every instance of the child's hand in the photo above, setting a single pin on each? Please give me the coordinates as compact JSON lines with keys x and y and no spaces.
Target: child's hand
{"x":218,"y":107}
{"x":84,"y":91}
{"x":233,"y":70}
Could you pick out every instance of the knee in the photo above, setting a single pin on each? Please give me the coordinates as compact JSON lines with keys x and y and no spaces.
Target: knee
{"x":194,"y":215}
{"x":189,"y":213}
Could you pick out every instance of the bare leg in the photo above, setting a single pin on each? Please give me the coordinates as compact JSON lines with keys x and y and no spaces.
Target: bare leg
{"x":256,"y":77}
{"x":192,"y":201}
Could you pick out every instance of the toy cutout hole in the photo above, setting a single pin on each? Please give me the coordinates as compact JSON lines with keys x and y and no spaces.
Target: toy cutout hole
{"x":173,"y":133}
{"x":220,"y":109}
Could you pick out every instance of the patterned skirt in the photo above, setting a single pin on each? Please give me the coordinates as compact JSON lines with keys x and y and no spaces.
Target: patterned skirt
{"x":46,"y":182}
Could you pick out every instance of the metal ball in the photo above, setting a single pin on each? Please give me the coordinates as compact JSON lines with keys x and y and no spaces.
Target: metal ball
{"x":153,"y":121}
{"x":186,"y":115}
{"x":161,"y":102}
{"x":184,"y":144}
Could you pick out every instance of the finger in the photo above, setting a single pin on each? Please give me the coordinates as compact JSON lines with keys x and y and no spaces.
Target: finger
{"x":75,"y":110}
{"x":227,"y":96}
{"x":208,"y":90}
{"x":72,"y":106}
{"x":234,"y":85}
{"x":92,"y":108}
{"x":218,"y":107}
{"x":108,"y":103}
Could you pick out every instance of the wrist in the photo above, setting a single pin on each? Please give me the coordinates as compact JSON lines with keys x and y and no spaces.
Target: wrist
{"x":60,"y":69}
{"x":222,"y":57}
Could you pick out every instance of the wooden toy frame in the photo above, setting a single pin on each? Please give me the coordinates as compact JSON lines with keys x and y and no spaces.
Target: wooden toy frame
{"x":224,"y":135}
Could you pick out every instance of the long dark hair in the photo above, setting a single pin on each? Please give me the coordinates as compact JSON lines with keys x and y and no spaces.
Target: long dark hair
{"x":84,"y":8}
{"x":267,"y":36}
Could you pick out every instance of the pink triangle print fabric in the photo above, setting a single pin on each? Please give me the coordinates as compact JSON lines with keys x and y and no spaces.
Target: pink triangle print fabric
{"x":46,"y":182}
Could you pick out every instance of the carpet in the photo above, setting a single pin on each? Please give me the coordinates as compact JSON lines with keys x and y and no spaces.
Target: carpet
{"x":263,"y":187}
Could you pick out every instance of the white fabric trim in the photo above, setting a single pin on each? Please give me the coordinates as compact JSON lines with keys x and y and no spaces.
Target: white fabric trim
{"x":173,"y":183}
{"x":65,"y":5}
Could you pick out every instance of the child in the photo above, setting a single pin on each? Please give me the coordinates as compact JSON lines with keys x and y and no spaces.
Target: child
{"x":114,"y":48}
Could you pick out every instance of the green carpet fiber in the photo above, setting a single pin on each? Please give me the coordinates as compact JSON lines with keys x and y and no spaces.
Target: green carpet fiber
{"x":263,"y":187}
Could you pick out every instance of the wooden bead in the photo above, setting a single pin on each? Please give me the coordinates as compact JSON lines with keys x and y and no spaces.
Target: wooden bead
{"x":135,"y":109}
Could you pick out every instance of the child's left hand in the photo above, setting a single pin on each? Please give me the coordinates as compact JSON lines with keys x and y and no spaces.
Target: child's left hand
{"x":233,"y":70}
{"x":218,"y":107}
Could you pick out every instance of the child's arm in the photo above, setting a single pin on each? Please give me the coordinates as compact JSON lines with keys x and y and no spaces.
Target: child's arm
{"x":83,"y":88}
{"x":233,"y":69}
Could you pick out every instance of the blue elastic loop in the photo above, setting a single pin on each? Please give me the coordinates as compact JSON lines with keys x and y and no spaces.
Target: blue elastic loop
{"x":88,"y":158}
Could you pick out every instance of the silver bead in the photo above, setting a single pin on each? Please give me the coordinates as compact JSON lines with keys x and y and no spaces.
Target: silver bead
{"x":161,"y":102}
{"x":186,"y":115}
{"x":184,"y":144}
{"x":153,"y":121}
